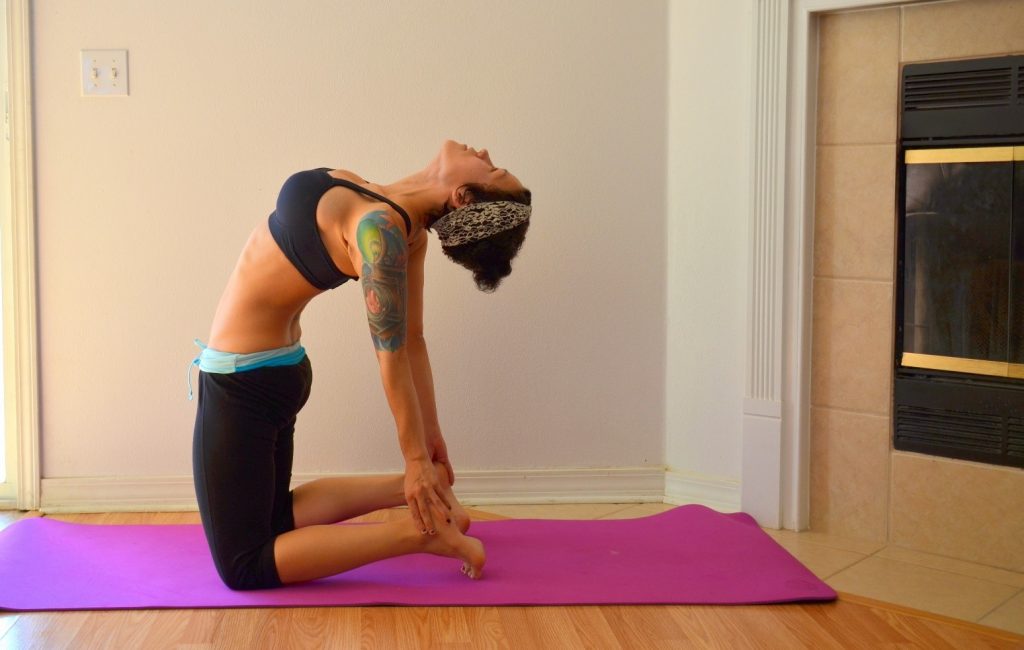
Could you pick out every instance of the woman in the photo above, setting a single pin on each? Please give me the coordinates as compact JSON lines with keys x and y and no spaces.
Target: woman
{"x":331,"y":227}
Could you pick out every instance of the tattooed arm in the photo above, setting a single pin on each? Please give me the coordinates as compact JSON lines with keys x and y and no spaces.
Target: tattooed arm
{"x":422,"y":375}
{"x":385,"y":289}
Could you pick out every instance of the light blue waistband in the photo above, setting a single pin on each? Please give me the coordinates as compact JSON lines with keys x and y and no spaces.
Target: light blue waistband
{"x":210,"y":360}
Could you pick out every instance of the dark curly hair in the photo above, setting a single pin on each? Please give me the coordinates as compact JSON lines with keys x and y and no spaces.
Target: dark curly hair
{"x":489,"y":259}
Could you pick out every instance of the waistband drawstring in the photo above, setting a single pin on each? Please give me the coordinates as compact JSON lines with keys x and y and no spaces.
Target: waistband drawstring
{"x":194,"y":362}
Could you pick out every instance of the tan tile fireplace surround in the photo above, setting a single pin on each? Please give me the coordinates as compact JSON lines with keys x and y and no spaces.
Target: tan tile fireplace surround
{"x":860,"y":487}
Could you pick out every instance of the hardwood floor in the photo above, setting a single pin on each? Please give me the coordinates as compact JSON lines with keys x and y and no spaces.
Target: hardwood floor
{"x":851,"y":622}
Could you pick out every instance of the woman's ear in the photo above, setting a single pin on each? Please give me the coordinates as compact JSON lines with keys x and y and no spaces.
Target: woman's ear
{"x":461,"y":196}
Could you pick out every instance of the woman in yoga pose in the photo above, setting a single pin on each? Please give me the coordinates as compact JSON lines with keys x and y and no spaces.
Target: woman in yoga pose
{"x":331,"y":226}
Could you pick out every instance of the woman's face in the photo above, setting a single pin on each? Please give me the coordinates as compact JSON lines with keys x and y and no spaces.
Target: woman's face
{"x":461,"y":164}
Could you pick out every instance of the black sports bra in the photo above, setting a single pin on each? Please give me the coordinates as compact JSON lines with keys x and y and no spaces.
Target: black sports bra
{"x":293,"y":225}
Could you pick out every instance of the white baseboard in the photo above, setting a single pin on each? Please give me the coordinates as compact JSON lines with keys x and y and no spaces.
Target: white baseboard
{"x":118,"y":494}
{"x":530,"y":486}
{"x":614,"y":485}
{"x":761,"y":493}
{"x":721,"y":494}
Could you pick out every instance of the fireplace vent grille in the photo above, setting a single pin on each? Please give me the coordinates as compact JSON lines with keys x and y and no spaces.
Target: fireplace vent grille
{"x":974,"y":432}
{"x":970,"y":102}
{"x":967,"y":89}
{"x":1015,"y":441}
{"x":937,"y":413}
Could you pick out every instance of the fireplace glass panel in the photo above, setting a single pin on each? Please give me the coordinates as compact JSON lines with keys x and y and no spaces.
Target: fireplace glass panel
{"x":1017,"y":267}
{"x":957,"y":271}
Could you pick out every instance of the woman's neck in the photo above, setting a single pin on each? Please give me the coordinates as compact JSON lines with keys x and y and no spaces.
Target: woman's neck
{"x":421,"y":195}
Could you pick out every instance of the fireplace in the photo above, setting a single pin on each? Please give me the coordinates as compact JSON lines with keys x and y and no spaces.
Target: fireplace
{"x":959,"y":366}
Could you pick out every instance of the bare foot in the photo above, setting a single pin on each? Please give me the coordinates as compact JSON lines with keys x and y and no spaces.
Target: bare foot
{"x":449,"y":542}
{"x":458,"y":514}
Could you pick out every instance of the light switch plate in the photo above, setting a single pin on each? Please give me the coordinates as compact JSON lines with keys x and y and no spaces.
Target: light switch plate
{"x":104,"y":72}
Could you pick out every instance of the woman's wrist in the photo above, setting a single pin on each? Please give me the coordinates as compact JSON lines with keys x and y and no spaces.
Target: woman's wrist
{"x":421,"y":456}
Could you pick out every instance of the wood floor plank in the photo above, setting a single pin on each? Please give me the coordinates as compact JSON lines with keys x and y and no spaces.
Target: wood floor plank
{"x":387,"y":627}
{"x":958,"y":637}
{"x":803,"y":628}
{"x":128,"y":518}
{"x":516,"y":627}
{"x":539,"y":627}
{"x":592,"y":627}
{"x":239,"y":629}
{"x":644,"y":626}
{"x":916,"y":632}
{"x":8,"y":517}
{"x":273,"y":629}
{"x":114,"y":629}
{"x":770,"y":622}
{"x":7,"y":621}
{"x":844,"y":625}
{"x":930,"y":616}
{"x":485,"y":627}
{"x":552,"y":626}
{"x":45,"y":630}
{"x":194,"y":628}
{"x":627,"y":635}
{"x":448,"y":626}
{"x":479,"y":515}
{"x":412,"y":626}
{"x":336,"y":627}
{"x":691,"y":621}
{"x":847,"y":625}
{"x":710,"y":627}
{"x":928,"y":633}
{"x":368,"y":632}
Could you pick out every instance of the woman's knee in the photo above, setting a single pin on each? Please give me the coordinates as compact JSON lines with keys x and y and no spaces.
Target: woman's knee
{"x":249,"y":570}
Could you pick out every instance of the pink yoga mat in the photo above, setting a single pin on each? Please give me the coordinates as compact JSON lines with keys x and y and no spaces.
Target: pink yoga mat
{"x":687,"y":555}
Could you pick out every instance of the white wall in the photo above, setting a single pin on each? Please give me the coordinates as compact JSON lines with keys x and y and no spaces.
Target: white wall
{"x":5,"y":207}
{"x":708,"y":208}
{"x":145,"y":201}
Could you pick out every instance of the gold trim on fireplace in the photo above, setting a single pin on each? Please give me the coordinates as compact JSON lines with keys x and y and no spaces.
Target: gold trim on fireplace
{"x":959,"y":364}
{"x":963,"y":155}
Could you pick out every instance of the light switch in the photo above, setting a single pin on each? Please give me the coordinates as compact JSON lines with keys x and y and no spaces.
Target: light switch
{"x":104,"y":72}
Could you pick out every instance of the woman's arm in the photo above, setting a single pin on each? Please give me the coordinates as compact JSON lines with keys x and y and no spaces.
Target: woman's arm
{"x":385,"y":289}
{"x":420,"y":360}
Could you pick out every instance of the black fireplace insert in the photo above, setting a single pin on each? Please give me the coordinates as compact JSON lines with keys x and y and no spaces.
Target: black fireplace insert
{"x":959,"y":363}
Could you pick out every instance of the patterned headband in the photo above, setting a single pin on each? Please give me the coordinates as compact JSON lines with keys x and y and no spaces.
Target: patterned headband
{"x":478,"y":221}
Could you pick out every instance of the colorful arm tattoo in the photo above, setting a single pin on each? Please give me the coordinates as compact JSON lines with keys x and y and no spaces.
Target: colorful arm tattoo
{"x":383,"y":278}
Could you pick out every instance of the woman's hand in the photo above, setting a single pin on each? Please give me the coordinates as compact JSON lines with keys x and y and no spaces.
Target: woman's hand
{"x":438,"y":451}
{"x":423,"y":493}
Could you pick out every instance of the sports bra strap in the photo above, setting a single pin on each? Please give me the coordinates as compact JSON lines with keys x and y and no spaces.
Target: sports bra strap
{"x":368,"y":192}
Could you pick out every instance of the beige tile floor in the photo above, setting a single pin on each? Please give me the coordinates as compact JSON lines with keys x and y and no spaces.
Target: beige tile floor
{"x":931,"y":583}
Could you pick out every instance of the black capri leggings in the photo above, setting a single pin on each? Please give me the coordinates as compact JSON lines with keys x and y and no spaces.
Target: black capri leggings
{"x":242,"y":466}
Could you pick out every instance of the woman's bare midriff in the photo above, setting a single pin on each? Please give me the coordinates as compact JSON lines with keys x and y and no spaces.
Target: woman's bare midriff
{"x":265,"y":295}
{"x":263,"y":301}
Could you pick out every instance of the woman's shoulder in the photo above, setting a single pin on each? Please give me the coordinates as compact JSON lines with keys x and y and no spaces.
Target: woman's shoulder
{"x":346,"y":175}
